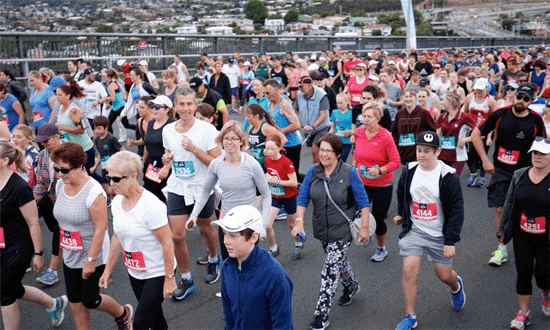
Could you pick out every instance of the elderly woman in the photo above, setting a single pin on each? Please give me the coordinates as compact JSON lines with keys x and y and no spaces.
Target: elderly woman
{"x":525,"y":219}
{"x":376,"y":157}
{"x":341,"y":182}
{"x":142,"y":234}
{"x":20,"y":241}
{"x":169,"y":84}
{"x":81,"y":209}
{"x":237,"y":173}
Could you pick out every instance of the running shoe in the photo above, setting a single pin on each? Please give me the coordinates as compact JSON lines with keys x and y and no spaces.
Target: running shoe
{"x":58,"y":312}
{"x":348,"y":295}
{"x":213,"y":271}
{"x":297,"y":252}
{"x":49,"y":277}
{"x":238,"y":110}
{"x":126,"y":321}
{"x":380,"y":254}
{"x":522,"y":320}
{"x":203,"y":260}
{"x":275,"y":253}
{"x":407,"y":323}
{"x":185,"y":287}
{"x":498,"y":258}
{"x":471,"y":179}
{"x":546,"y":305}
{"x":459,"y":298}
{"x":319,"y":323}
{"x":480,"y":182}
{"x":281,"y":215}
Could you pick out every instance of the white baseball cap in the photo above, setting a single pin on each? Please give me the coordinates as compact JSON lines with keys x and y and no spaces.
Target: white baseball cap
{"x":374,"y":77}
{"x":242,"y":217}
{"x":121,"y":62}
{"x":143,"y":62}
{"x":373,"y":62}
{"x":541,"y":145}
{"x":481,"y":83}
{"x":246,"y":63}
{"x":162,"y":100}
{"x":390,"y":62}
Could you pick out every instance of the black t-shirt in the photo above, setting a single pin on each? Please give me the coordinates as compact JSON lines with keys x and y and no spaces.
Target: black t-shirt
{"x":532,"y":199}
{"x":509,"y":77}
{"x":425,"y":69}
{"x":153,"y":142}
{"x":15,"y":194}
{"x":357,"y":110}
{"x":513,"y":137}
{"x":331,"y":95}
{"x":106,"y":148}
{"x":280,"y":76}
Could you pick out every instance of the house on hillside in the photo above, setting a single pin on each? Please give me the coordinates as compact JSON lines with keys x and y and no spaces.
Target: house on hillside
{"x":384,"y":28}
{"x":274,"y":25}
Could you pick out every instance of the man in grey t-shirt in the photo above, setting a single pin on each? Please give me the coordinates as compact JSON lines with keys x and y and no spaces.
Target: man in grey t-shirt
{"x":395,"y":94}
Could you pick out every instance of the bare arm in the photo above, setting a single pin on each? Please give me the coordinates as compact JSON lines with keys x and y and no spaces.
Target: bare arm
{"x":268,"y":129}
{"x":30,"y":213}
{"x":225,"y":115}
{"x":76,"y":117}
{"x":19,"y":110}
{"x":164,"y":235}
{"x":290,"y":114}
{"x":98,"y":211}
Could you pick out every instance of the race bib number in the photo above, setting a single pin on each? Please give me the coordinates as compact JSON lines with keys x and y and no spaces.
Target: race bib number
{"x":276,"y":190}
{"x":365,"y":172}
{"x":340,"y":131}
{"x":134,"y":261}
{"x":153,"y":173}
{"x":6,"y":119}
{"x":425,"y":211}
{"x":533,"y":225}
{"x":506,"y":156}
{"x":104,"y":161}
{"x":406,"y":140}
{"x":279,"y":79}
{"x":184,"y":170}
{"x":2,"y":241}
{"x":70,"y":240}
{"x":37,"y":116}
{"x":257,"y":152}
{"x":356,"y":98}
{"x":448,"y":143}
{"x":331,"y":73}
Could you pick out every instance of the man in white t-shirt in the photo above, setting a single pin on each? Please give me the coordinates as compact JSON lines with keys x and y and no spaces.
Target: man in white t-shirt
{"x":190,"y":147}
{"x":95,"y":95}
{"x":183,"y":74}
{"x":233,"y":72}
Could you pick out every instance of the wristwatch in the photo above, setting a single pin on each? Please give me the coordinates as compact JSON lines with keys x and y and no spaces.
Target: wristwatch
{"x":170,"y":276}
{"x":90,"y":259}
{"x":41,"y":253}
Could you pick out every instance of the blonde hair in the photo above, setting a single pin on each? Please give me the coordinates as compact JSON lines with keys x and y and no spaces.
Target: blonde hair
{"x":126,"y":162}
{"x":14,"y":155}
{"x":237,"y":128}
{"x":376,"y":108}
{"x":27,"y":131}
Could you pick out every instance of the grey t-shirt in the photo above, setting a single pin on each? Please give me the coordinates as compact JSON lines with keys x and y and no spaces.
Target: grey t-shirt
{"x":394,"y":94}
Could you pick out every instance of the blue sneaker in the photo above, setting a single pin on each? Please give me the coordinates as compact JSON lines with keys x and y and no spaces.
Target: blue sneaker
{"x":459,"y":298}
{"x":213,"y":271}
{"x":380,"y":254}
{"x":281,"y":215}
{"x":471,"y":179}
{"x":49,"y":277}
{"x":184,"y":289}
{"x":480,"y":182}
{"x":58,"y":312}
{"x":408,"y":322}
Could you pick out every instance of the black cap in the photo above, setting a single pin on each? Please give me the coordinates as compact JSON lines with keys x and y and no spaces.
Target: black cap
{"x":195,"y":83}
{"x":424,"y":82}
{"x":526,"y":89}
{"x":305,"y":80}
{"x":88,"y":71}
{"x":46,"y":131}
{"x":428,"y":138}
{"x":320,"y":76}
{"x":276,"y":57}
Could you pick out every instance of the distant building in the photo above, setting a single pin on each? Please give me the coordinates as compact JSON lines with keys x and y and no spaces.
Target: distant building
{"x":190,"y":29}
{"x":384,"y":28}
{"x":274,"y":25}
{"x":219,"y":30}
{"x":348,"y":31}
{"x":366,"y":20}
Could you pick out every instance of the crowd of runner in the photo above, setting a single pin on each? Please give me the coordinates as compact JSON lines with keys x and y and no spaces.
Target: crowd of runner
{"x":430,"y":113}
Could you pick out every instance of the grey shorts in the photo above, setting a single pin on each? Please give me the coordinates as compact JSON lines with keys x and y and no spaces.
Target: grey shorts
{"x":416,"y":241}
{"x":176,"y":206}
{"x":312,"y":139}
{"x":498,"y":188}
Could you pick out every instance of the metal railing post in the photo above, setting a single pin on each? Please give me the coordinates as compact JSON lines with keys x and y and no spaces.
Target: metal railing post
{"x":216,"y":46}
{"x":164,"y":52}
{"x":100,"y":51}
{"x":24,"y":66}
{"x":297,"y":44}
{"x":329,"y":43}
{"x":261,"y":44}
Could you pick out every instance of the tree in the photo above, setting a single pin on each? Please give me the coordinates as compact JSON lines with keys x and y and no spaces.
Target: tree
{"x":276,"y":16}
{"x":104,"y":29}
{"x":376,"y":32}
{"x":256,"y":11}
{"x":291,"y":16}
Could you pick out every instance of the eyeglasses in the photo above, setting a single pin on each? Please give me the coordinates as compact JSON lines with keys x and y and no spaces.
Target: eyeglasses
{"x":540,"y":138}
{"x":234,"y":140}
{"x":511,"y":89}
{"x":115,"y":179}
{"x":157,"y":107}
{"x":63,"y":170}
{"x":328,"y":151}
{"x":358,"y":69}
{"x":523,"y":97}
{"x":522,"y":82}
{"x":436,"y":68}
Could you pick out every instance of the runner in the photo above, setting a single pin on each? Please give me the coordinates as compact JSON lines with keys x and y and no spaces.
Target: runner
{"x":116,"y":95}
{"x":515,"y":129}
{"x":95,"y":95}
{"x":261,"y":125}
{"x":356,"y":83}
{"x":140,"y":87}
{"x":41,"y":99}
{"x":22,"y":138}
{"x":431,"y":210}
{"x":341,"y":123}
{"x":210,"y":96}
{"x":11,"y":108}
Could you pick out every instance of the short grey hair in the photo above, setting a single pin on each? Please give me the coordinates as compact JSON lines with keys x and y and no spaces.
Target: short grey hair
{"x":125,"y":162}
{"x":186,"y":91}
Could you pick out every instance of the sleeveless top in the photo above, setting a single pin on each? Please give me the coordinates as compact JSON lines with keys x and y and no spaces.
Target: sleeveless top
{"x":119,"y":101}
{"x":479,"y":112}
{"x":293,"y":138}
{"x":257,"y":143}
{"x":355,"y":89}
{"x":65,"y":119}
{"x":280,"y":76}
{"x":333,"y":69}
{"x":76,"y":224}
{"x":464,"y":86}
{"x":153,"y":142}
{"x":41,"y":110}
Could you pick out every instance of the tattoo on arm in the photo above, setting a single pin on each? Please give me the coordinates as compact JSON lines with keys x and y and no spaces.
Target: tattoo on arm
{"x":289,"y":113}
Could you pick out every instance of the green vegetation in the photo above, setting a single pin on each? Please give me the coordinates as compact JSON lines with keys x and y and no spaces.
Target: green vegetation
{"x":256,"y":11}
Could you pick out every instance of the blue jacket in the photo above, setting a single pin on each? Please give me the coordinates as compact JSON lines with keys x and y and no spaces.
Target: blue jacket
{"x":450,"y":194}
{"x":257,"y":296}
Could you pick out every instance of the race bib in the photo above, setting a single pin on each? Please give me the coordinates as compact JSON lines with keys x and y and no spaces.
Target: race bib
{"x":533,"y":225}
{"x":331,"y":73}
{"x":406,"y":140}
{"x":279,"y":79}
{"x":134,"y":261}
{"x":37,"y":116}
{"x":506,"y":156}
{"x":365,"y":172}
{"x":424,"y":211}
{"x":6,"y":119}
{"x":340,"y":131}
{"x":153,"y":173}
{"x":356,"y":98}
{"x":2,"y":241}
{"x":104,"y":160}
{"x":257,"y":152}
{"x":276,"y":190}
{"x":184,"y":170}
{"x":448,"y":143}
{"x":70,"y":240}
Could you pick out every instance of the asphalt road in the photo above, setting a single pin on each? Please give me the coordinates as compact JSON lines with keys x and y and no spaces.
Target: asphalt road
{"x":491,"y":299}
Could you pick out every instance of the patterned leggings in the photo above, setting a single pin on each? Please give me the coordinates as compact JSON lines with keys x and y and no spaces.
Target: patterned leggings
{"x":336,"y":265}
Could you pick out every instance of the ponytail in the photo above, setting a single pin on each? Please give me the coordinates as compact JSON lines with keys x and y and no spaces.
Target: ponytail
{"x":14,"y":155}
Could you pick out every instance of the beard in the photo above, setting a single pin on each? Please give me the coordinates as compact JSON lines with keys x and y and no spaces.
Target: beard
{"x":519,"y":108}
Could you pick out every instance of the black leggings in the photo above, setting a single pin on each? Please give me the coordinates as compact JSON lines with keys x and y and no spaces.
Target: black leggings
{"x":113,"y":115}
{"x":531,"y":257}
{"x":45,"y":208}
{"x":81,"y":290}
{"x":293,"y":153}
{"x":150,"y":295}
{"x":380,"y":201}
{"x":15,"y":259}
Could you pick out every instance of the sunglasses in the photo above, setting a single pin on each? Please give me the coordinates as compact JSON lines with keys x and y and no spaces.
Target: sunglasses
{"x":511,"y":89}
{"x":63,"y":170}
{"x":115,"y":179}
{"x":540,"y":138}
{"x":358,"y":69}
{"x":523,"y":97}
{"x":157,"y":107}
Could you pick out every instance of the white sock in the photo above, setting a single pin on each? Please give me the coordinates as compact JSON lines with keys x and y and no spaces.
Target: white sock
{"x":503,"y":248}
{"x":273,"y":248}
{"x":459,"y":286}
{"x":186,"y":276}
{"x":213,"y":260}
{"x":298,"y":243}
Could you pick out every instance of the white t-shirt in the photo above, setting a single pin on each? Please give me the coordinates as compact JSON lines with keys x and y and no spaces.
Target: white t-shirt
{"x":181,"y":72}
{"x":426,"y":209}
{"x":188,"y":171}
{"x":93,"y":93}
{"x":142,"y":250}
{"x":151,"y":76}
{"x":233,"y":73}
